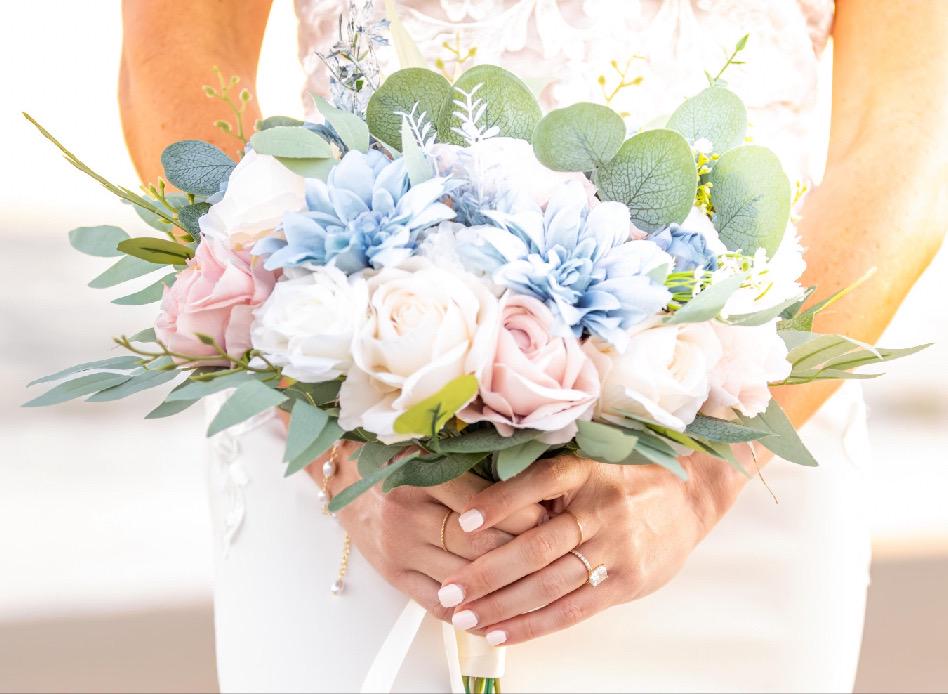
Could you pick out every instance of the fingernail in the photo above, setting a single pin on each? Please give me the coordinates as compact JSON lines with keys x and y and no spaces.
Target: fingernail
{"x":451,"y":595}
{"x":471,"y":520}
{"x":464,"y":620}
{"x":495,"y":638}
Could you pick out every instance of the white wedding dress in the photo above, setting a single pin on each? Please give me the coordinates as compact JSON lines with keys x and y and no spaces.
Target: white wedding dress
{"x":772,"y":600}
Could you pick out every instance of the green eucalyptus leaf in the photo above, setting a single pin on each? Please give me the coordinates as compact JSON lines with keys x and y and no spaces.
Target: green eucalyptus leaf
{"x":195,"y":390}
{"x":373,"y":456}
{"x":119,"y":363}
{"x":171,"y":407}
{"x":148,"y":295}
{"x":416,"y":163}
{"x":785,"y":441}
{"x":306,"y":423}
{"x":196,"y":166}
{"x":144,"y":379}
{"x":77,"y":387}
{"x":764,"y":315}
{"x":100,"y":241}
{"x":177,"y":200}
{"x":512,"y":461}
{"x":127,"y":268}
{"x":350,"y":493}
{"x":716,"y":114}
{"x":579,"y":137}
{"x":320,"y":393}
{"x":290,"y":141}
{"x":249,"y":399}
{"x":157,"y":250}
{"x":431,"y":414}
{"x":189,"y":215}
{"x":652,"y":449}
{"x":146,"y":335}
{"x":309,"y":168}
{"x":509,"y":104}
{"x":605,"y":442}
{"x":430,"y":473}
{"x":398,"y":94}
{"x":485,"y":440}
{"x":276,"y":121}
{"x":708,"y":303}
{"x":322,"y":443}
{"x":654,"y":175}
{"x":751,"y":197}
{"x":723,"y":431}
{"x":351,"y":129}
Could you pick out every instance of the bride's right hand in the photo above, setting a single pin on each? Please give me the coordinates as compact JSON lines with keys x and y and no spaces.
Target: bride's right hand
{"x":399,"y":532}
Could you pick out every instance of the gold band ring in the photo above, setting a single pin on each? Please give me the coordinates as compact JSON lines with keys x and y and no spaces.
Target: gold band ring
{"x":579,"y":526}
{"x":444,"y":527}
{"x":594,"y":575}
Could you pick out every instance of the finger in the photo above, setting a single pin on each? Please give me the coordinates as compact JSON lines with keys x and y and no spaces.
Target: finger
{"x":569,"y":610}
{"x":435,"y":563}
{"x":545,"y":479}
{"x":466,"y":545}
{"x":523,"y":555}
{"x":537,"y":590}
{"x":457,"y":494}
{"x":423,"y":590}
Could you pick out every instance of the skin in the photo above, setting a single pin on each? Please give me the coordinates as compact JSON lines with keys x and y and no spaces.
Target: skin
{"x":882,"y":203}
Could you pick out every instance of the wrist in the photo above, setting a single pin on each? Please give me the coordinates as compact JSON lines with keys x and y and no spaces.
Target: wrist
{"x":713,"y":485}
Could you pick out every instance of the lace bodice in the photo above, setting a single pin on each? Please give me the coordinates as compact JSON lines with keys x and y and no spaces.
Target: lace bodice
{"x":642,"y":57}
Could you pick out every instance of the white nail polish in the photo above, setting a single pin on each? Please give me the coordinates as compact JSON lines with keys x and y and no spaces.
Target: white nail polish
{"x":451,"y":595}
{"x":464,"y":620}
{"x":471,"y":520}
{"x":495,"y":638}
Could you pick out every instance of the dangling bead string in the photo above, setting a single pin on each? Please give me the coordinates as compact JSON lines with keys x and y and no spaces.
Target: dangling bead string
{"x":329,"y":469}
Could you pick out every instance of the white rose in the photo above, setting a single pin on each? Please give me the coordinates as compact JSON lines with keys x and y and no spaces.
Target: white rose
{"x":260,"y":189}
{"x":426,"y":326}
{"x":752,"y":357}
{"x":307,"y":324}
{"x":663,"y":375}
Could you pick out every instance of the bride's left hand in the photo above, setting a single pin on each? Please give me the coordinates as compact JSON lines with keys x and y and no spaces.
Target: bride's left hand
{"x":641,"y":522}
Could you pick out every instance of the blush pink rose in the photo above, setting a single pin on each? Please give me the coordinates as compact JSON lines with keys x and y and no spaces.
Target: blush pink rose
{"x":534,"y":378}
{"x":215,"y":295}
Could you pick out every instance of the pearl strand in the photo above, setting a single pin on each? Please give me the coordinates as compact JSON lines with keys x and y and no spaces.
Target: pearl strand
{"x":329,"y":469}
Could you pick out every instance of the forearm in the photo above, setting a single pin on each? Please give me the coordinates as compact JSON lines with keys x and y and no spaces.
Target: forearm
{"x":168,"y":52}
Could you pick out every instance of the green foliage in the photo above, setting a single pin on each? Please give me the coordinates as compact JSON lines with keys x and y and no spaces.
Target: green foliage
{"x":654,"y":174}
{"x":751,"y":197}
{"x":123,"y":362}
{"x":416,"y":163}
{"x":398,"y":94}
{"x":514,"y":460}
{"x":146,"y":335}
{"x":373,"y":456}
{"x":171,"y":407}
{"x":716,"y":114}
{"x":431,"y":414}
{"x":731,"y":60}
{"x":579,"y":137}
{"x":509,"y":104}
{"x":429,"y":473}
{"x":195,"y":390}
{"x":605,"y":442}
{"x":485,"y":440}
{"x":784,"y":441}
{"x":159,"y":251}
{"x":821,"y":357}
{"x":196,"y":166}
{"x":77,"y":387}
{"x":276,"y":121}
{"x":306,"y":423}
{"x":723,"y":431}
{"x":148,"y":295}
{"x":351,"y":129}
{"x":764,"y":315}
{"x":320,"y":444}
{"x":189,"y":215}
{"x":708,"y":303}
{"x":139,"y":381}
{"x":309,"y":168}
{"x":292,"y":142}
{"x":249,"y":399}
{"x":350,"y":493}
{"x":174,"y":200}
{"x":315,"y":393}
{"x":127,"y":268}
{"x":100,"y":241}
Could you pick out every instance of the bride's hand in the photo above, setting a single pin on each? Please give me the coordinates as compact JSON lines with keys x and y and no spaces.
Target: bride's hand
{"x":641,"y":522}
{"x":399,"y":533}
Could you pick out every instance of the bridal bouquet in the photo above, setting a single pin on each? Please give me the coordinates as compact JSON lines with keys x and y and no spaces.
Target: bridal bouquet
{"x":461,"y":282}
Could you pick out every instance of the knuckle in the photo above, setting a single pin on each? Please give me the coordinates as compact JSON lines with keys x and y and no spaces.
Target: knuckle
{"x":561,"y":469}
{"x":552,"y":586}
{"x":482,"y":543}
{"x":538,"y":549}
{"x":573,"y":611}
{"x":483,"y":579}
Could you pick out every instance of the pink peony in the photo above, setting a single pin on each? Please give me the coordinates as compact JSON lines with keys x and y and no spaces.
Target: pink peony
{"x":215,"y":295}
{"x":534,"y":379}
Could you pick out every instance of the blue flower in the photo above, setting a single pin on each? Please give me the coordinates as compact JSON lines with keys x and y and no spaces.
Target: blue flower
{"x":578,"y":261}
{"x":688,"y":248}
{"x":364,"y":215}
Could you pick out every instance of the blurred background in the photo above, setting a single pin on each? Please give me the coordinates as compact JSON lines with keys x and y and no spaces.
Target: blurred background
{"x":105,"y":553}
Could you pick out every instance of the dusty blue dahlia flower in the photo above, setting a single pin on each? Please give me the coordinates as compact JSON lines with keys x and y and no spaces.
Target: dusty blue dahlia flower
{"x":578,"y":261}
{"x":688,"y":248}
{"x":364,"y":215}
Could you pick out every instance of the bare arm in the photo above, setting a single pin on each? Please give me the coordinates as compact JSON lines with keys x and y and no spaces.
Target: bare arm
{"x":883,"y":200}
{"x":168,"y":51}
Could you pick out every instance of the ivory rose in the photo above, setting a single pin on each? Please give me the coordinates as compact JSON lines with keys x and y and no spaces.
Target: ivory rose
{"x":663,"y":375}
{"x":260,"y":189}
{"x":534,"y":378}
{"x":215,"y":295}
{"x":307,"y":324}
{"x":425,"y":327}
{"x":752,"y":357}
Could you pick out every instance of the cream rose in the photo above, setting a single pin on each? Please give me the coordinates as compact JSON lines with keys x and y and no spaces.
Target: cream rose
{"x":534,"y":379}
{"x":260,"y":189}
{"x":663,"y":376}
{"x":752,"y":358}
{"x":307,"y":324}
{"x":425,"y":327}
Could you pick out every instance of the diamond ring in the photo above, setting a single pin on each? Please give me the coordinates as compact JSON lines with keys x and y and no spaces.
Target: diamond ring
{"x":596,"y":575}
